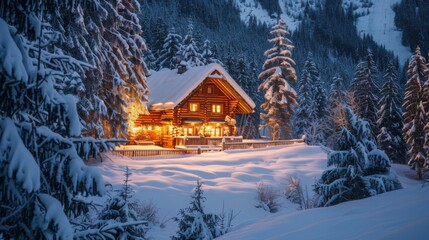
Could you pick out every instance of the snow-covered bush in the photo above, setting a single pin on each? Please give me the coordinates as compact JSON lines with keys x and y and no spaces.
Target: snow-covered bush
{"x":194,"y":223}
{"x":268,"y":198}
{"x":147,"y":210}
{"x":295,"y":193}
{"x":358,"y":169}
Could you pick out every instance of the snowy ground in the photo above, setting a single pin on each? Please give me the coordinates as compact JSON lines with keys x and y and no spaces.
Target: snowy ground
{"x":230,"y":179}
{"x":380,"y":24}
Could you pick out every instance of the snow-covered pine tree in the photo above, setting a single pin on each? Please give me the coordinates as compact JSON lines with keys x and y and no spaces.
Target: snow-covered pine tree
{"x":338,"y":99}
{"x":230,"y":61}
{"x":251,"y":131}
{"x":277,"y":75}
{"x":158,"y":33}
{"x":414,"y":113}
{"x":390,"y":117}
{"x":168,"y":57}
{"x":319,"y":93}
{"x":364,"y":91}
{"x":194,"y":223}
{"x":304,"y":114}
{"x":118,"y":219}
{"x":125,"y":91}
{"x":190,"y":53}
{"x":311,"y":111}
{"x":207,"y":55}
{"x":247,"y":124}
{"x":426,"y":129}
{"x":41,"y":175}
{"x":105,"y":34}
{"x":359,"y":169}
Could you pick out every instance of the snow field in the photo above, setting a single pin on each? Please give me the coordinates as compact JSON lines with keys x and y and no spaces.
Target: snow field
{"x":230,"y":180}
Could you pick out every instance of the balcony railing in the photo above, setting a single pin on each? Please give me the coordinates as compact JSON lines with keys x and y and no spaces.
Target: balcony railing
{"x":212,"y":141}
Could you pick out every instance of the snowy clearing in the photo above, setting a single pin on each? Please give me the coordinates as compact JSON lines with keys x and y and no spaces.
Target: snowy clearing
{"x":230,"y":180}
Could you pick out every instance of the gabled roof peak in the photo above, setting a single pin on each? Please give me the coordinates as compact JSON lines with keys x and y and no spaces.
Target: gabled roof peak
{"x":168,"y":88}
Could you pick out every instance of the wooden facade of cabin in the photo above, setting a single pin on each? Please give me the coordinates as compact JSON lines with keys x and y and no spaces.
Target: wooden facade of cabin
{"x":206,"y":111}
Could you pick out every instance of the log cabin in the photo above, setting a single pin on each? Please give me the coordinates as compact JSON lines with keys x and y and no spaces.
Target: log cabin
{"x":196,"y":107}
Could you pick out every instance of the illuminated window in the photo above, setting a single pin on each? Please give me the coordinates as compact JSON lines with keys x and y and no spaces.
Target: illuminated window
{"x":193,"y":107}
{"x":210,"y":90}
{"x":215,"y":132}
{"x":217,"y":108}
{"x":188,"y":131}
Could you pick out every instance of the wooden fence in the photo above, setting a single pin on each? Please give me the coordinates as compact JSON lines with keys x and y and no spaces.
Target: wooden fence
{"x":195,"y":149}
{"x":259,"y":144}
{"x":147,"y":153}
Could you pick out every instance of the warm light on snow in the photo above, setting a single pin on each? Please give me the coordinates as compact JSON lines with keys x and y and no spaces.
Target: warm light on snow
{"x":230,"y":179}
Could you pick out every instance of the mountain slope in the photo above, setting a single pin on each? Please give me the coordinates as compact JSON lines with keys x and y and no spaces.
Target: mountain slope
{"x":374,"y":18}
{"x":379,"y":23}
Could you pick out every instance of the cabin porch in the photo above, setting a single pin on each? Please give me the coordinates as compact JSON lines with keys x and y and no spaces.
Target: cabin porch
{"x":168,"y":135}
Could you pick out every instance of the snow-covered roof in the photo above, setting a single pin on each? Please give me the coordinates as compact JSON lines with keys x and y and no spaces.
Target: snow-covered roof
{"x":168,"y":88}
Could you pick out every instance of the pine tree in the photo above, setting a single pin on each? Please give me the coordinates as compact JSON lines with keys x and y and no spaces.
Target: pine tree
{"x":365,"y":91}
{"x":194,"y":223}
{"x":125,"y":92}
{"x":414,"y":113}
{"x":41,"y":173}
{"x":207,"y":55}
{"x":312,"y":101}
{"x":230,"y":61}
{"x":251,"y":129}
{"x":158,"y":33}
{"x":390,"y":118}
{"x":359,"y":170}
{"x":304,"y":114}
{"x":426,"y":105}
{"x":278,"y":73}
{"x":169,"y":54}
{"x":190,"y":53}
{"x":319,"y":94}
{"x":338,"y":99}
{"x":119,"y":219}
{"x":247,"y":125}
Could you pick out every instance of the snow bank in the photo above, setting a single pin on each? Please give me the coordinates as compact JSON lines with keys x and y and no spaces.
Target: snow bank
{"x":401,"y":214}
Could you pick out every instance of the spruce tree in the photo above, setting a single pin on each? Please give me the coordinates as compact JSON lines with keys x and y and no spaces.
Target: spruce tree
{"x":41,"y":173}
{"x":125,"y":91}
{"x":277,"y":76}
{"x":390,"y":118}
{"x":365,"y":91}
{"x":414,"y":113}
{"x":251,"y":130}
{"x":190,"y":53}
{"x":119,"y":218}
{"x":207,"y":54}
{"x":304,"y":114}
{"x":358,"y":169}
{"x":169,"y":54}
{"x":319,"y":93}
{"x":247,"y":124}
{"x":311,"y":112}
{"x":194,"y":223}
{"x":338,"y":100}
